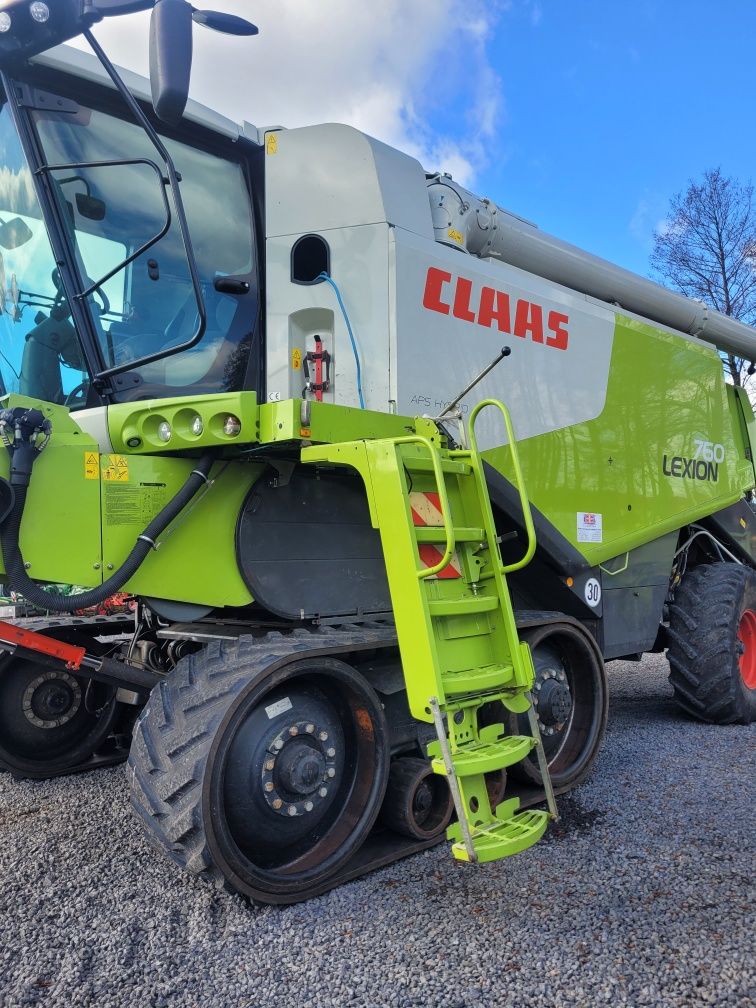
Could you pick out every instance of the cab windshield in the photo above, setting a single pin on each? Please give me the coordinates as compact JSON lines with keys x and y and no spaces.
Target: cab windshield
{"x":39,"y":350}
{"x":119,"y":222}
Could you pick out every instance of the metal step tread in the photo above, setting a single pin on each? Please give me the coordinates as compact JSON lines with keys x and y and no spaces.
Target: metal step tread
{"x":478,"y":680}
{"x":437,"y":534}
{"x":463,"y":606}
{"x":502,"y":839}
{"x":484,"y":757}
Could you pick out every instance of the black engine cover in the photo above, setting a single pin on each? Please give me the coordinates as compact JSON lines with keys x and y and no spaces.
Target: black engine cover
{"x":306,"y":548}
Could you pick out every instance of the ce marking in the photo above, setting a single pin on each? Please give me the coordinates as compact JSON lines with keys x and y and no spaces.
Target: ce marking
{"x":274,"y":397}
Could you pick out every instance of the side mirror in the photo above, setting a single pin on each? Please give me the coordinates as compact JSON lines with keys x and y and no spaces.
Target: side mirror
{"x":90,"y":207}
{"x":170,"y":58}
{"x":15,"y":233}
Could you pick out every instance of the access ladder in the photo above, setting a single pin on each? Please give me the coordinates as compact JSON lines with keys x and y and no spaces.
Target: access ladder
{"x":455,"y":624}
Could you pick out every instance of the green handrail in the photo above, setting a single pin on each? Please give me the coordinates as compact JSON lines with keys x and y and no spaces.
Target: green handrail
{"x":443,"y":499}
{"x":519,"y":480}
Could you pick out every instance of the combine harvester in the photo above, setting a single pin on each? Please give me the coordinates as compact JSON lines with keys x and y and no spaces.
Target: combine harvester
{"x":231,"y":361}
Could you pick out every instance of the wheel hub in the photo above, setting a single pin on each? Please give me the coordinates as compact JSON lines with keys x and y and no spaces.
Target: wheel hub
{"x":747,"y":648}
{"x":300,"y":768}
{"x":51,"y":700}
{"x":552,"y":700}
{"x":422,"y":802}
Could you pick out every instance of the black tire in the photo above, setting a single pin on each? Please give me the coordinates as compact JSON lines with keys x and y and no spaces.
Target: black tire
{"x":203,"y":770}
{"x":51,"y":722}
{"x":712,"y":645}
{"x":418,"y":802}
{"x":572,"y":722}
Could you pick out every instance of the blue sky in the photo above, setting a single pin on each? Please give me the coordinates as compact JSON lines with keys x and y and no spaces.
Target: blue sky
{"x":580,"y":115}
{"x":609,"y":109}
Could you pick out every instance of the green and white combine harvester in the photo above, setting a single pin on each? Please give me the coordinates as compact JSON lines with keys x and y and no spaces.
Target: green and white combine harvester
{"x":368,"y":615}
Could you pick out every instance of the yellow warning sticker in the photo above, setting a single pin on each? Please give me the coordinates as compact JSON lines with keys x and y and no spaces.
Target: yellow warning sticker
{"x":116,"y":469}
{"x":271,"y":143}
{"x":296,"y":358}
{"x":91,"y":465}
{"x":743,"y":523}
{"x":456,"y":236}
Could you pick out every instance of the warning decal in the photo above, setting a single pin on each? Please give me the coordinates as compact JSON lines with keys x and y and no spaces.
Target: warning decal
{"x":91,"y":465}
{"x":116,"y":469}
{"x":589,"y":527}
{"x":426,"y":511}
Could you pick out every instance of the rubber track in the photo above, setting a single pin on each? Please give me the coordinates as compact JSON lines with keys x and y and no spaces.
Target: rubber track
{"x":174,"y":733}
{"x":702,"y":642}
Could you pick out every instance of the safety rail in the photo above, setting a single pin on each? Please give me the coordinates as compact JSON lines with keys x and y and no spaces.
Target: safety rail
{"x":519,"y":479}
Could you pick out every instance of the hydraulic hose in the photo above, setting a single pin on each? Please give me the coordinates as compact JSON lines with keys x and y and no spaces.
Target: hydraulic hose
{"x":20,"y":581}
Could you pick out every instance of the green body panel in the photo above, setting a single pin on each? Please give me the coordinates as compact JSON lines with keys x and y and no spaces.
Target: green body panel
{"x":663,"y":393}
{"x":60,"y":534}
{"x":196,"y":560}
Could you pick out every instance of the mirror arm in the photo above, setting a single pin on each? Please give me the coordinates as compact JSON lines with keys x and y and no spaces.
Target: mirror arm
{"x":173,"y":181}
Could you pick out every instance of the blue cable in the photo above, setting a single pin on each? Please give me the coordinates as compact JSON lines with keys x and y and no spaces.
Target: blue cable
{"x":332,"y":282}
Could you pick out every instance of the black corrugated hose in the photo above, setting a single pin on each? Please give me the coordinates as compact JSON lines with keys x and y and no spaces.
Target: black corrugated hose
{"x":20,"y":581}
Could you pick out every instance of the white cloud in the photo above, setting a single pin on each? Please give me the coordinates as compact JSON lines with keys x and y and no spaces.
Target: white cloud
{"x":390,"y":69}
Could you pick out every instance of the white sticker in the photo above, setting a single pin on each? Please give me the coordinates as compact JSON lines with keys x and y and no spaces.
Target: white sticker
{"x":279,"y":707}
{"x":592,"y":592}
{"x":589,"y":527}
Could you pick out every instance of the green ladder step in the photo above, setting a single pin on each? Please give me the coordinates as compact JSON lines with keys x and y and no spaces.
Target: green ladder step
{"x":503,"y":839}
{"x":437,"y":534}
{"x":464,"y":606}
{"x":484,"y":757}
{"x":477,"y":680}
{"x":423,"y":464}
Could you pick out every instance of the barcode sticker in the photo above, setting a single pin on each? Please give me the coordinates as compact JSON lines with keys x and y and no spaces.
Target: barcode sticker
{"x":279,"y":707}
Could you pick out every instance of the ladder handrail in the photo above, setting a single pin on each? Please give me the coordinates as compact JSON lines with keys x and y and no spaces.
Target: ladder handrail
{"x":443,"y":497}
{"x":519,"y":479}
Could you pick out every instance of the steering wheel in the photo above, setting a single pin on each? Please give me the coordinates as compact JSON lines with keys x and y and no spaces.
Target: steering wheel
{"x":82,"y":389}
{"x":60,"y":293}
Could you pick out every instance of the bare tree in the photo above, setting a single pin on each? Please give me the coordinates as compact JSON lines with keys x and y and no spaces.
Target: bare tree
{"x":706,"y":249}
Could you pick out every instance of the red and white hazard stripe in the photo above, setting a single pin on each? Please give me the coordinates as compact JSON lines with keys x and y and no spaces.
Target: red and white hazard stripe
{"x":425,"y":506}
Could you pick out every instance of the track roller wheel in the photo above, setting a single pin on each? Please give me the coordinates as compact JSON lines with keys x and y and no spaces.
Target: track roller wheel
{"x":50,"y":721}
{"x":418,"y":802}
{"x":712,"y":643}
{"x":571,"y":700}
{"x":259,"y":770}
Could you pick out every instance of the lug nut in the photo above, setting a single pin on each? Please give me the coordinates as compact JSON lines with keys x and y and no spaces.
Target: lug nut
{"x":323,"y":792}
{"x":330,"y":772}
{"x":330,"y":752}
{"x":310,"y":729}
{"x":323,"y":736}
{"x":269,"y":764}
{"x":269,"y":786}
{"x":292,"y":809}
{"x":277,"y":803}
{"x":309,"y":806}
{"x":293,"y":730}
{"x":278,"y":744}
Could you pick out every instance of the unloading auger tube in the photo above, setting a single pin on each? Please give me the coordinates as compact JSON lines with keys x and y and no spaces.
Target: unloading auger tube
{"x":483,"y":229}
{"x":30,"y":432}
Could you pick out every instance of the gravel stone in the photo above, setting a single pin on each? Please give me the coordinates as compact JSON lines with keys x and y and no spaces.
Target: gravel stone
{"x":644,"y":895}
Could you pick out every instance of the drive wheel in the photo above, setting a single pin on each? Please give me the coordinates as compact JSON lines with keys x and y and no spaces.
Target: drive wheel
{"x":51,"y":721}
{"x":261,"y":771}
{"x":712,"y":644}
{"x":418,"y":802}
{"x":571,"y":700}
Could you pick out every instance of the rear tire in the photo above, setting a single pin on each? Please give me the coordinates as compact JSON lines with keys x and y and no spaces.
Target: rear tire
{"x":712,"y":644}
{"x":571,"y":701}
{"x":51,"y":721}
{"x":259,"y":770}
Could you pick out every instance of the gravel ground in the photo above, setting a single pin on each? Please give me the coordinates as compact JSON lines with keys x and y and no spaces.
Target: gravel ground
{"x":645,"y":897}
